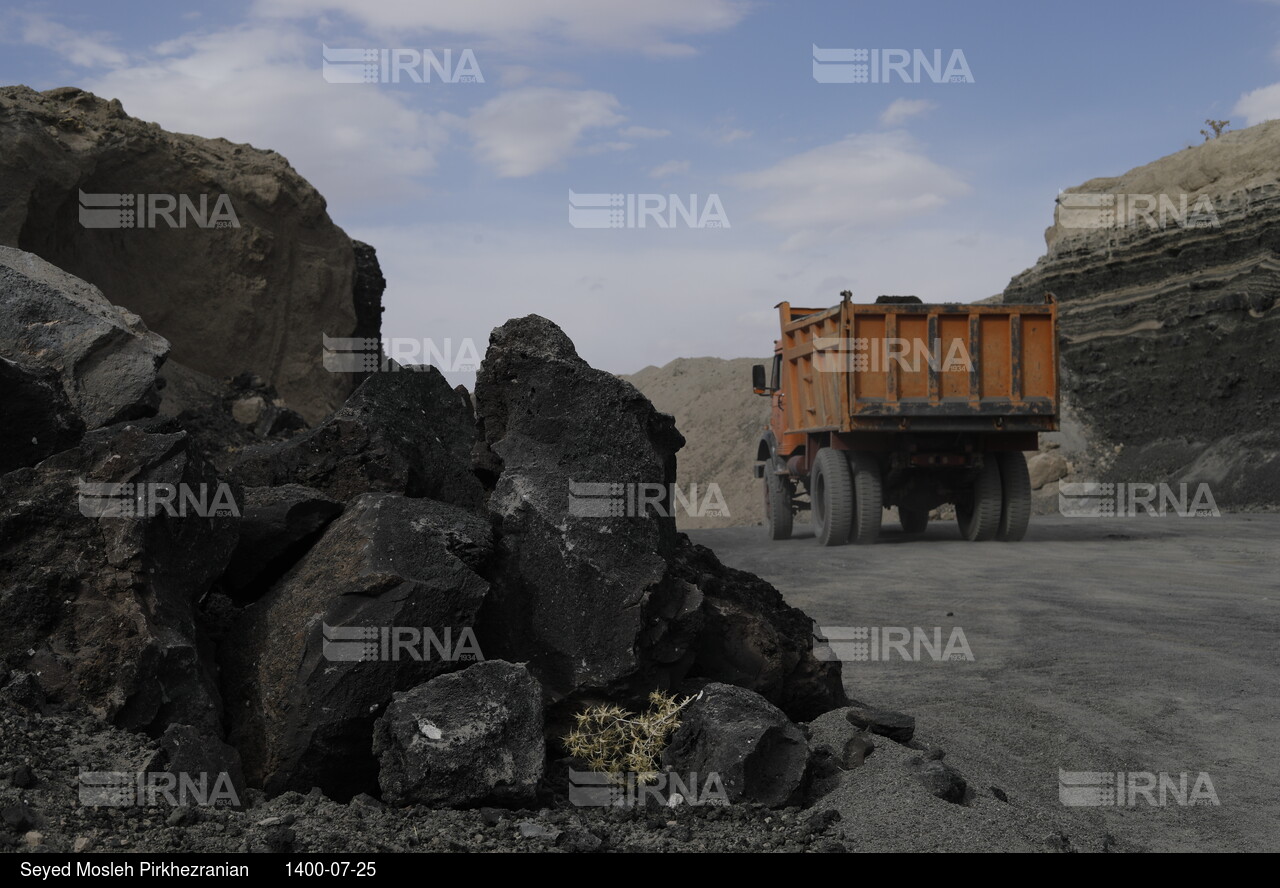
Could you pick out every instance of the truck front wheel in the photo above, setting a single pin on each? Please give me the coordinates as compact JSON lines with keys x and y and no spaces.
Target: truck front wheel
{"x":777,"y":505}
{"x":831,"y":497}
{"x":979,"y":514}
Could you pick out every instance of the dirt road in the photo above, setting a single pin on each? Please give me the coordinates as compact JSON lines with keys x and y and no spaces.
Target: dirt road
{"x":1131,"y":644}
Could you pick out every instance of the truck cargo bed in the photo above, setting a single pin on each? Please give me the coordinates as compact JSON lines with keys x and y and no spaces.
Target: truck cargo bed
{"x":919,"y":367}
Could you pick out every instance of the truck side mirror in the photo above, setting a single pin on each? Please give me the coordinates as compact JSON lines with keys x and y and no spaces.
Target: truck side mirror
{"x":758,"y":383}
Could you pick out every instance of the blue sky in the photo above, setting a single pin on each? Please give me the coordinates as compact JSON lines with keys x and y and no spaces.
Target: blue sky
{"x":938,"y":189}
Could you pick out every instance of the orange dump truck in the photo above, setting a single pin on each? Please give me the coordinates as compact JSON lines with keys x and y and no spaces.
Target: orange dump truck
{"x":906,"y":404}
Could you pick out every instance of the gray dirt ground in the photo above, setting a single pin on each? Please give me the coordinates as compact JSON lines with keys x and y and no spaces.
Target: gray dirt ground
{"x":1134,"y":644}
{"x":1117,"y":645}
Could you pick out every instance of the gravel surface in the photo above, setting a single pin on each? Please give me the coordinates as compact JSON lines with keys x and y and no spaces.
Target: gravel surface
{"x":1135,"y":645}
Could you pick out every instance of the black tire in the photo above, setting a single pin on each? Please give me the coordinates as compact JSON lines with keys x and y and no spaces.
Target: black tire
{"x":979,"y":518}
{"x":777,"y":505}
{"x":868,"y":499}
{"x":1015,"y":496}
{"x":831,"y":497}
{"x":913,"y":520}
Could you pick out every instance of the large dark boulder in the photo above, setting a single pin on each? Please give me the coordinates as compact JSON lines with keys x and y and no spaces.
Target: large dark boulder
{"x":311,"y":665}
{"x":100,"y":590}
{"x":464,"y":739}
{"x":754,"y":639}
{"x":758,"y":754}
{"x":595,"y":589}
{"x":401,"y":431}
{"x":38,"y":418}
{"x":278,"y":525}
{"x":105,"y":357}
{"x":586,"y":599}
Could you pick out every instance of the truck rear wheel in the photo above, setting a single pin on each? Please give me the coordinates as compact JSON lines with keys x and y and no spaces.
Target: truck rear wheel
{"x":831,"y":497}
{"x":979,"y":517}
{"x":777,"y":506}
{"x":868,"y":499}
{"x":913,"y":520}
{"x":1015,"y":487}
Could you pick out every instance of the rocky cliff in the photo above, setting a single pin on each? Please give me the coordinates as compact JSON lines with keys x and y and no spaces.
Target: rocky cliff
{"x":223,"y":249}
{"x":1169,"y":281}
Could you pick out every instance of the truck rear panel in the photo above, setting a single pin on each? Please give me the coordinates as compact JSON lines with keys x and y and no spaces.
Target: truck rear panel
{"x":919,"y":367}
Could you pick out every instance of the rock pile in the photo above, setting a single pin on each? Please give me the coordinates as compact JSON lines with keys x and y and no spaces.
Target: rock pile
{"x":404,"y":601}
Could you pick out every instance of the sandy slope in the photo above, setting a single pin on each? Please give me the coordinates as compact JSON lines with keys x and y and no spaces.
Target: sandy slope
{"x":721,"y":420}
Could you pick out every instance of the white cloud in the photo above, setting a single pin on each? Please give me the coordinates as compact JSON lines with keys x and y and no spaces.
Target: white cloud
{"x":725,"y":136}
{"x":516,"y":75}
{"x":670,"y":168}
{"x":646,"y":27}
{"x":902,"y":109}
{"x":643,"y":132}
{"x":526,"y":75}
{"x":528,"y":130}
{"x":253,"y":84}
{"x":667,"y":49}
{"x":862,"y":180}
{"x":1259,"y":105}
{"x":85,"y":50}
{"x":602,"y":147}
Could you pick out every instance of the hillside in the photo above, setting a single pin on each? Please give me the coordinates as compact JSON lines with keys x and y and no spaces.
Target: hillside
{"x":721,"y":420}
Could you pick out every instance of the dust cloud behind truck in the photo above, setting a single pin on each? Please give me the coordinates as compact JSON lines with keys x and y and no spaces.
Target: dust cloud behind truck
{"x":906,"y":404}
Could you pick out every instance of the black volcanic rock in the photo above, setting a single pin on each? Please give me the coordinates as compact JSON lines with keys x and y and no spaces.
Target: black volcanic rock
{"x":100,"y":591}
{"x":758,"y":754}
{"x":752,"y":638}
{"x":310,"y":666}
{"x":356,"y":567}
{"x":586,"y":600}
{"x":464,"y":739}
{"x":597,"y":593}
{"x":403,"y":431}
{"x":105,"y":357}
{"x":38,"y":418}
{"x":277,"y":526}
